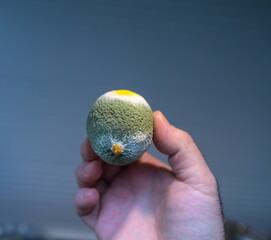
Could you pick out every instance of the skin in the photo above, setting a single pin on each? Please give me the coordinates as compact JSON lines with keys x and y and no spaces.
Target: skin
{"x":149,"y":199}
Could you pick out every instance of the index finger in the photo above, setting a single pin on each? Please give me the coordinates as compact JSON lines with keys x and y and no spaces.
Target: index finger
{"x":87,"y":152}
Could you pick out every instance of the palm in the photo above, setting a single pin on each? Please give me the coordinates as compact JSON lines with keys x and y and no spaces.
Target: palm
{"x":148,"y":199}
{"x":147,"y":196}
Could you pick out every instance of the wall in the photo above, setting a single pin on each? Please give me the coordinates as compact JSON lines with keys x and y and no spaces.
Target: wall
{"x":204,"y":64}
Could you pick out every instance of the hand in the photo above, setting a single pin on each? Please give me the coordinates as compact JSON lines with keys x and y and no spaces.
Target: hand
{"x":149,"y":199}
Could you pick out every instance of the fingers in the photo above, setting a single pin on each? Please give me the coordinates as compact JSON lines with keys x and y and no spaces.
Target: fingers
{"x":88,"y":155}
{"x":110,"y":171}
{"x":92,"y":186}
{"x":89,"y":179}
{"x":87,"y":152}
{"x":85,"y":201}
{"x":184,"y":156}
{"x":88,"y":173}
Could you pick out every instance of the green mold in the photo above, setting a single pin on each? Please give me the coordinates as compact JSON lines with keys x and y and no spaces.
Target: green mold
{"x":121,"y":123}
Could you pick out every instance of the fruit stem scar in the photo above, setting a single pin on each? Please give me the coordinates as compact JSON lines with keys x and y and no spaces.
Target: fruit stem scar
{"x":117,"y":149}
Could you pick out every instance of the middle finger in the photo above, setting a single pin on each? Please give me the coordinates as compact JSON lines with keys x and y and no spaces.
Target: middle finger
{"x":88,"y":173}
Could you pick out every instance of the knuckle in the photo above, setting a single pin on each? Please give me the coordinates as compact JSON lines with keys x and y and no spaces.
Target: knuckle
{"x":89,"y":172}
{"x":77,"y":199}
{"x":212,"y":182}
{"x":77,"y":171}
{"x":187,"y":138}
{"x":79,"y":205}
{"x":84,"y":149}
{"x":83,"y":152}
{"x":80,"y":175}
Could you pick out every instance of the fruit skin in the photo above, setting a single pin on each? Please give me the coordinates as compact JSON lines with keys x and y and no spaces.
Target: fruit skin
{"x":120,"y":121}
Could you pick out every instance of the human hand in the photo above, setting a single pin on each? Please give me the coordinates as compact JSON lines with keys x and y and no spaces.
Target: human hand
{"x":149,"y":199}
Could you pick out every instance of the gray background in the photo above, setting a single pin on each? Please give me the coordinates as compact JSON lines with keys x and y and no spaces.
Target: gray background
{"x":204,"y":64}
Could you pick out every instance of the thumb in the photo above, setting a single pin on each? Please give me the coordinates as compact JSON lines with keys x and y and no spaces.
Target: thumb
{"x":184,"y":157}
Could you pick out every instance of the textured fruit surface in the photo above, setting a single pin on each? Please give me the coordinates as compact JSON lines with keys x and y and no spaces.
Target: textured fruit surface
{"x":120,"y":126}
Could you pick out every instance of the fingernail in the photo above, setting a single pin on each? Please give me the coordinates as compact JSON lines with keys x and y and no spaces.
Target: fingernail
{"x":86,"y":168}
{"x":89,"y":194}
{"x":163,"y":118}
{"x":82,"y":195}
{"x":85,"y":195}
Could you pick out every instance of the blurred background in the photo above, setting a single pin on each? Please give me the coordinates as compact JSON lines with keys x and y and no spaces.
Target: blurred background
{"x":205,"y":64}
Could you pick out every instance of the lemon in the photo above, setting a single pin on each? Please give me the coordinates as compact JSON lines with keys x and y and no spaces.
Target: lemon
{"x":120,"y":127}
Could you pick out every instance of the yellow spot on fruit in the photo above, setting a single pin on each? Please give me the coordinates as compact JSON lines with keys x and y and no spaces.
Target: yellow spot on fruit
{"x":125,"y":92}
{"x":117,"y":149}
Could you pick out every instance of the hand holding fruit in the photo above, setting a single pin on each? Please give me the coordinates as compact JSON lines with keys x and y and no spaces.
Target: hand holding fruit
{"x":148,"y":199}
